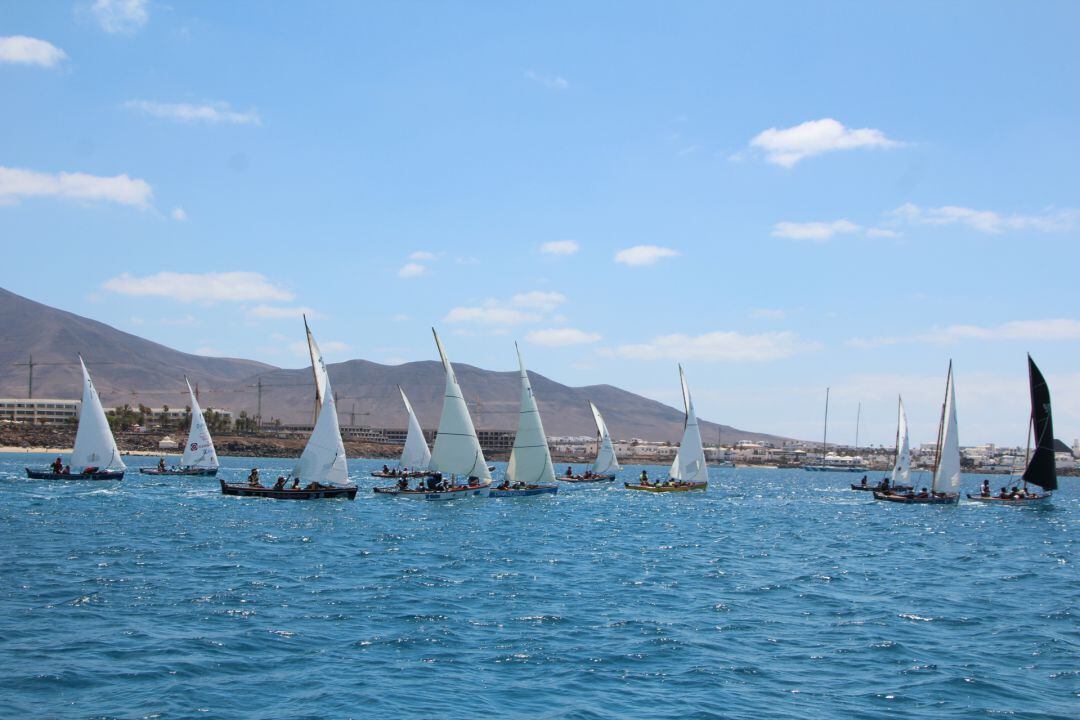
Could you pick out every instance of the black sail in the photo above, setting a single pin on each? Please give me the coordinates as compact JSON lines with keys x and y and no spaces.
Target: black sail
{"x":1041,"y":469}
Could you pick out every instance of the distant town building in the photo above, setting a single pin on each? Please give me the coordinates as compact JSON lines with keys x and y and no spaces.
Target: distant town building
{"x":38,"y":411}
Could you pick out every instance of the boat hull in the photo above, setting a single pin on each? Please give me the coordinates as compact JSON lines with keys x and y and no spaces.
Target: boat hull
{"x":194,"y":472}
{"x":1038,"y":500}
{"x":462,"y":491}
{"x":877,"y":488}
{"x":904,"y":499}
{"x":524,"y":492}
{"x":50,"y":475}
{"x":580,"y":479}
{"x":321,"y":494}
{"x":688,"y":487}
{"x":383,"y":475}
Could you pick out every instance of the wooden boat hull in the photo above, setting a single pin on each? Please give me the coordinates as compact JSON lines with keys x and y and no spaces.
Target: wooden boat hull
{"x":580,"y":479}
{"x":688,"y":487}
{"x":1038,"y":500}
{"x":945,"y":500}
{"x":391,"y":476}
{"x":50,"y":475}
{"x":524,"y":492}
{"x":321,"y":494}
{"x":461,"y":491}
{"x":194,"y":472}
{"x":877,"y":488}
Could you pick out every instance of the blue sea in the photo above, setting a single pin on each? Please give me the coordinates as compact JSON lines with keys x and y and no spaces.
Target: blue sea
{"x":776,"y":594}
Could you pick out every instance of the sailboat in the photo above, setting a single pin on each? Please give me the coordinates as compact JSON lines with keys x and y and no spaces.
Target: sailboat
{"x":322,"y":465}
{"x":689,"y":471}
{"x":606,"y":464}
{"x":945,"y":487}
{"x":834,"y":462}
{"x":529,"y":471}
{"x":901,"y":471}
{"x":199,"y":457}
{"x":457,"y":452}
{"x":1041,"y":467}
{"x":415,"y":455}
{"x":95,"y":456}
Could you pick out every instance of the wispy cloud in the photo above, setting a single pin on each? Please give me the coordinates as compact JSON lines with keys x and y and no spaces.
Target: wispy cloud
{"x":1040,"y":330}
{"x":23,"y":50}
{"x":539,"y":300}
{"x":986,"y":221}
{"x":786,"y":147}
{"x":553,"y":82}
{"x":121,"y":16}
{"x":178,"y":214}
{"x":17,"y":183}
{"x":641,"y":255}
{"x":561,"y":337}
{"x":492,"y":315}
{"x":276,"y":312}
{"x":560,"y":247}
{"x":239,"y":286}
{"x":718,"y":347}
{"x":411,"y":270}
{"x":216,"y":113}
{"x":423,"y":256}
{"x":814,"y":231}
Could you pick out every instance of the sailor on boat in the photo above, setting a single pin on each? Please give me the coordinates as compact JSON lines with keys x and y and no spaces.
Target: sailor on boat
{"x":57,"y":465}
{"x":253,"y":478}
{"x":161,"y":464}
{"x":986,"y":488}
{"x":280,"y":484}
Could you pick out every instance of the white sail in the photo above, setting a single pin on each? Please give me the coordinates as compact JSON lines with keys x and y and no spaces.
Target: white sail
{"x":94,"y":442}
{"x":530,"y":460}
{"x":606,"y":462}
{"x":323,"y":459}
{"x":457,"y":449}
{"x":947,"y":473}
{"x":689,"y":464}
{"x":199,"y":451}
{"x":321,"y":377}
{"x":902,"y":468}
{"x":415,"y":455}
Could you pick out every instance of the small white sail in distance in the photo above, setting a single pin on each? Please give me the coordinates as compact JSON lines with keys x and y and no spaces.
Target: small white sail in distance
{"x":530,"y":460}
{"x":323,"y":459}
{"x":199,"y":451}
{"x":94,"y":442}
{"x":415,"y":455}
{"x":457,"y":450}
{"x":902,"y":468}
{"x":947,"y":472}
{"x":689,"y":464}
{"x":606,"y":462}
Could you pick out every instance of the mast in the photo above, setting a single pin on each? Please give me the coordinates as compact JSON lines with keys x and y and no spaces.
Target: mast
{"x":941,"y":431}
{"x":825,"y":434}
{"x":314,"y":371}
{"x":858,"y":418}
{"x":896,"y":455}
{"x":1027,"y":451}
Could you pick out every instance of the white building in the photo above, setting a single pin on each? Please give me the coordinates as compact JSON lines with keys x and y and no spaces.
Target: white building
{"x":43,"y":411}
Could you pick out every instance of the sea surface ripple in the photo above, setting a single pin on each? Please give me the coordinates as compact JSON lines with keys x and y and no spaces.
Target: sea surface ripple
{"x":776,"y":594}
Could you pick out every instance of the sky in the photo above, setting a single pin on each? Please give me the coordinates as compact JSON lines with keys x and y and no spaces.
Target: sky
{"x":782,"y":196}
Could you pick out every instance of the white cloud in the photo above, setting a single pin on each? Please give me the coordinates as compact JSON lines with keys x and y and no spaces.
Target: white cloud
{"x":814,"y":231}
{"x":719,"y":347}
{"x":539,"y":300}
{"x":400,"y":317}
{"x":640,"y":255}
{"x":986,"y":221}
{"x":411,"y":270}
{"x":236,"y":286}
{"x":489,"y":315}
{"x":768,"y":314}
{"x":560,"y":247}
{"x":554,"y":82}
{"x":178,"y":214}
{"x":882,"y":233}
{"x":16,"y":183}
{"x":274,"y":312}
{"x":788,"y":146}
{"x":1040,"y":330}
{"x":213,"y":113}
{"x":23,"y":50}
{"x":423,"y":255}
{"x":561,"y":337}
{"x":120,"y":16}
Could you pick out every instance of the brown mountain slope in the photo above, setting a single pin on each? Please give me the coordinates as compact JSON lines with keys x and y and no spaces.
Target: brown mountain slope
{"x":129,"y":369}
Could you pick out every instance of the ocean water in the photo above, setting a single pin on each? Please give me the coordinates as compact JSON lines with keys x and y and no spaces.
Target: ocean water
{"x":776,"y":594}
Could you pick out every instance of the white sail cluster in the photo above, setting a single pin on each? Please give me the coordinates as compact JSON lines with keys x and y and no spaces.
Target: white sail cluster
{"x":530,"y":459}
{"x":902,"y":468}
{"x":199,"y":451}
{"x":415,"y":455}
{"x":606,"y":463}
{"x":947,"y":472}
{"x":323,"y":459}
{"x":94,"y":442}
{"x":689,"y":464}
{"x":457,"y":449}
